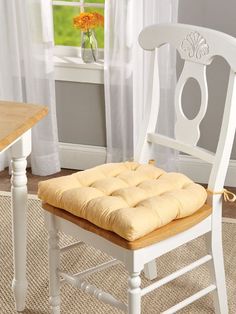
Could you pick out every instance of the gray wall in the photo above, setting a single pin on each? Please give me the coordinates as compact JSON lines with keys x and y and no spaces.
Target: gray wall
{"x":80,"y":107}
{"x":81,"y":113}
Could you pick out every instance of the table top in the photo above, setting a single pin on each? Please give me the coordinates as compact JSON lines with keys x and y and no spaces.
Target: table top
{"x":16,"y":118}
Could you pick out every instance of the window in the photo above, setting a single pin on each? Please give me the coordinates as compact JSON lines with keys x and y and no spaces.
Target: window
{"x":64,"y":11}
{"x":68,"y":40}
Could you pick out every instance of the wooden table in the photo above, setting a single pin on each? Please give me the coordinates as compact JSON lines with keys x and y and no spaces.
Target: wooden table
{"x":16,"y":121}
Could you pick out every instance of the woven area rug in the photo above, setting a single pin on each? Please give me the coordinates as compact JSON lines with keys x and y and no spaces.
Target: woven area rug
{"x":113,"y":280}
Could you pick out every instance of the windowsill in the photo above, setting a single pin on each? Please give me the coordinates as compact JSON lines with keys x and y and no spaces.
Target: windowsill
{"x":73,"y":69}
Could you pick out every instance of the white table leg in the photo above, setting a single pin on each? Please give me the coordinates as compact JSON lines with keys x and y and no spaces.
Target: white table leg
{"x":19,"y":152}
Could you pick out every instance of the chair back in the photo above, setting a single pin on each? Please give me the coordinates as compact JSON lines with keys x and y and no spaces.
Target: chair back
{"x":197,"y":46}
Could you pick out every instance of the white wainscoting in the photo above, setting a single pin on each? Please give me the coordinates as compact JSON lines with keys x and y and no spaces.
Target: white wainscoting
{"x":76,"y":156}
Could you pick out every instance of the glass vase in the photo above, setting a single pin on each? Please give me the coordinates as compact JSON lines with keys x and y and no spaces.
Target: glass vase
{"x":89,"y":47}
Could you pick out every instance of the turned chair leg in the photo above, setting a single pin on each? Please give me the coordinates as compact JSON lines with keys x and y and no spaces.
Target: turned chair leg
{"x":216,"y":267}
{"x":54,"y":259}
{"x":134,"y":294}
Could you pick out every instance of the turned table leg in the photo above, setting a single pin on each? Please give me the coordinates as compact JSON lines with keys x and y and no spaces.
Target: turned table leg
{"x":19,"y":152}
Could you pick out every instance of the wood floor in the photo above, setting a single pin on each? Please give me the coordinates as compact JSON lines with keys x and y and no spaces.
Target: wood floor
{"x":229,"y":209}
{"x":5,"y":184}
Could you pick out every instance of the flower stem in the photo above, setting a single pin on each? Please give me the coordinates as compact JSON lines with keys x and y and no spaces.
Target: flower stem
{"x":91,"y":46}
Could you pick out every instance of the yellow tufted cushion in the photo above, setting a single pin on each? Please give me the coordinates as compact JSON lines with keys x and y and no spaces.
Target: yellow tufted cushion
{"x":127,"y":198}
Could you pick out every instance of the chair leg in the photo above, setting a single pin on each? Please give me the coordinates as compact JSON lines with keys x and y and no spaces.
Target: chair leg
{"x":216,"y":267}
{"x":150,"y":270}
{"x":134,"y":294}
{"x":54,"y":258}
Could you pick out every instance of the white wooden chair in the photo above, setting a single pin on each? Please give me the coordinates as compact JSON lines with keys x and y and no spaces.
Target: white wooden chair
{"x":197,"y":46}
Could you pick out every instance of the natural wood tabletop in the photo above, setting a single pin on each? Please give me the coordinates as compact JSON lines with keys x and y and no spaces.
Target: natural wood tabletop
{"x":17,"y":118}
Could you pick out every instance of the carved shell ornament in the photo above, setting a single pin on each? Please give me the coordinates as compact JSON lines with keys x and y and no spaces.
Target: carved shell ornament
{"x":195,"y":45}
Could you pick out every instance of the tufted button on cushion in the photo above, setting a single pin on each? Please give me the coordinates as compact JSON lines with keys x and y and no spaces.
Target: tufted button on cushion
{"x":127,"y":198}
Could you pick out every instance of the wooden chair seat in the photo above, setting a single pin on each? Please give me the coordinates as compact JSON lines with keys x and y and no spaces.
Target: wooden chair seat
{"x":167,"y":231}
{"x":128,"y":198}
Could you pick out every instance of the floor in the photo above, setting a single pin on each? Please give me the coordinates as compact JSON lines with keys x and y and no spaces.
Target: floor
{"x":5,"y":184}
{"x":229,"y":209}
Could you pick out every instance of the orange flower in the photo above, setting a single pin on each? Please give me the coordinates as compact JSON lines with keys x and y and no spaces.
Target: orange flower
{"x":99,"y":18}
{"x":86,"y":21}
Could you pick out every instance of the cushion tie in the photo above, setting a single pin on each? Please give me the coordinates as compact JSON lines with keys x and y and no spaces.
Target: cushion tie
{"x":228,"y":196}
{"x":152,"y":162}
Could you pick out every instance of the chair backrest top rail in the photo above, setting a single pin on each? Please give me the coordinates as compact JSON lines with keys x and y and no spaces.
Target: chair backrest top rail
{"x":194,"y":43}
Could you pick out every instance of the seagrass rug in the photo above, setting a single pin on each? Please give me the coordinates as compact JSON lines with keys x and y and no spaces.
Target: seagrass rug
{"x":113,"y":280}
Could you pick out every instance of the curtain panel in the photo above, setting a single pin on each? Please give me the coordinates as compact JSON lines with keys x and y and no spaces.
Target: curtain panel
{"x":26,"y":73}
{"x":127,"y":69}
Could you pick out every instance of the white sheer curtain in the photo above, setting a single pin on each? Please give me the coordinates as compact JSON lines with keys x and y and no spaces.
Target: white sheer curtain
{"x":26,"y":73}
{"x":126,"y":66}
